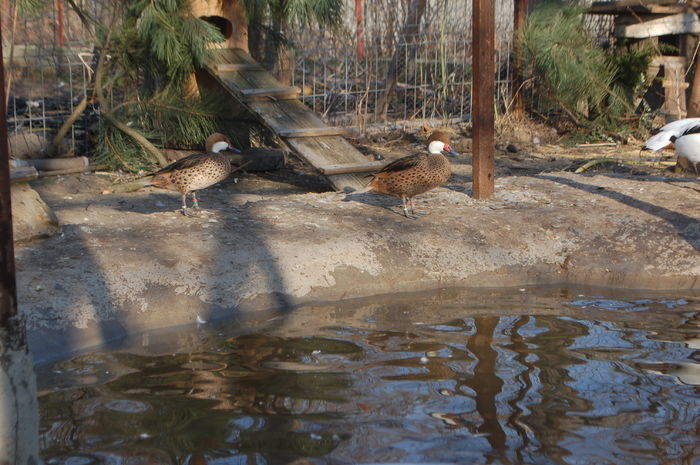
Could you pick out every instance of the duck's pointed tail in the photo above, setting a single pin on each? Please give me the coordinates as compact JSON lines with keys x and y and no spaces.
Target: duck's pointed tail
{"x":659,"y":141}
{"x":134,"y":185}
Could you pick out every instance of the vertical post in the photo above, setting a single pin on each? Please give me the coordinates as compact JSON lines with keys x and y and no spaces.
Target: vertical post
{"x":59,"y":11}
{"x":8,"y":285}
{"x":483,"y":87}
{"x":19,"y":422}
{"x":519,"y":15}
{"x":360,"y":29}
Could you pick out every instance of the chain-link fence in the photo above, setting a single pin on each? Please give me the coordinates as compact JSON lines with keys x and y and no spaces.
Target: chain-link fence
{"x":345,"y":77}
{"x":343,"y":74}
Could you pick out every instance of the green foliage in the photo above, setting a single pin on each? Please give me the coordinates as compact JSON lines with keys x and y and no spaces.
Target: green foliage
{"x":164,"y":39}
{"x":595,"y":88}
{"x":268,"y":20}
{"x":154,"y":48}
{"x":564,"y":58}
{"x":304,"y":12}
{"x":27,"y":8}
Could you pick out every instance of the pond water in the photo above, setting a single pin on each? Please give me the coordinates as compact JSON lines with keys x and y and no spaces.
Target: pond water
{"x":522,"y":376}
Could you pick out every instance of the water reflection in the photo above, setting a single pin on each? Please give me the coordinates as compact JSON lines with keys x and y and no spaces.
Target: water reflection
{"x":554,"y":379}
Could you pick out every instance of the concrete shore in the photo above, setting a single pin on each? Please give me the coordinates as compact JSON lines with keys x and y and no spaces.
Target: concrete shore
{"x":129,"y":263}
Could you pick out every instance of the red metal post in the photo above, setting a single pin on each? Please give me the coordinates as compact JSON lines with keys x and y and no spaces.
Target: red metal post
{"x":483,"y":86}
{"x":8,"y":284}
{"x":360,"y":30}
{"x":519,"y":14}
{"x":59,"y":9}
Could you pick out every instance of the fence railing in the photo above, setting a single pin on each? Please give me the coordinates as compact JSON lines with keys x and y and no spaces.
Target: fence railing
{"x":49,"y":69}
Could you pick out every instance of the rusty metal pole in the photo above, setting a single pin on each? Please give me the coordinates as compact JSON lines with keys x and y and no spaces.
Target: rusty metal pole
{"x":483,"y":87}
{"x":360,"y":30}
{"x":519,"y":15}
{"x":8,"y":285}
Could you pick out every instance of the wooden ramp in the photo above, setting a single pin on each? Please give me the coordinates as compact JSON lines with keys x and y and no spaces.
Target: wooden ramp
{"x":281,"y":111}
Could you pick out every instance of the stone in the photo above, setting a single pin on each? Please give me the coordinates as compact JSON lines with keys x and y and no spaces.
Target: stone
{"x":31,"y":217}
{"x":26,"y":145}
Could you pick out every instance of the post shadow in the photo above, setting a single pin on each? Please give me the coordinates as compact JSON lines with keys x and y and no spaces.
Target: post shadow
{"x":687,"y":227}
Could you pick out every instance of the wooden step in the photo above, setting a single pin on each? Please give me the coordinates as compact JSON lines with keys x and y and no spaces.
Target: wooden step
{"x":221,"y":67}
{"x":352,"y":168}
{"x":310,"y":132}
{"x":274,"y":94}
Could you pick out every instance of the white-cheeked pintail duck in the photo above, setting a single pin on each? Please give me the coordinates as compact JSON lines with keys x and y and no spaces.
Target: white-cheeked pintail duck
{"x":414,"y":174}
{"x":196,"y":171}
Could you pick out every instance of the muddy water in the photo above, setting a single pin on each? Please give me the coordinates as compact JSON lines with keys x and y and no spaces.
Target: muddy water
{"x":531,"y":376}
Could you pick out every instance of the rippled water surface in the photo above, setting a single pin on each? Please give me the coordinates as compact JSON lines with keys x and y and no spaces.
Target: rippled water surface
{"x":531,"y":376}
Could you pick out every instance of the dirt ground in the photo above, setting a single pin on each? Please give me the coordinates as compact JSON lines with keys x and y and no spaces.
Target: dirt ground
{"x":130,"y":262}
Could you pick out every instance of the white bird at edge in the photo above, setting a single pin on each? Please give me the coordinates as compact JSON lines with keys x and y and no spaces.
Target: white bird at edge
{"x":685,"y":135}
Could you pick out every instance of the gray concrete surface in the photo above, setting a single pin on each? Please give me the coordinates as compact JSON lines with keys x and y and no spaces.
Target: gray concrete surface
{"x":129,"y":263}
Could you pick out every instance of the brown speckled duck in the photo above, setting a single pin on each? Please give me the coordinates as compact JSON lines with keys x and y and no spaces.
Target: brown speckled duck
{"x":414,"y":174}
{"x":196,"y":171}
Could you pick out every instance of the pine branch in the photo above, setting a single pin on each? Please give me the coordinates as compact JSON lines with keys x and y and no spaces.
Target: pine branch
{"x":105,"y":111}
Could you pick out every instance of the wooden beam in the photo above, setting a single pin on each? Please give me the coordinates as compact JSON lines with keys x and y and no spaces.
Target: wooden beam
{"x":483,"y":87}
{"x":681,"y":23}
{"x":23,"y":174}
{"x":8,"y":282}
{"x":310,"y":132}
{"x":636,"y":6}
{"x":277,"y":93}
{"x":352,"y":168}
{"x":221,"y":67}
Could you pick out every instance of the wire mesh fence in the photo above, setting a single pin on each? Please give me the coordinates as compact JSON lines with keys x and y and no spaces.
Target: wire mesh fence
{"x":345,"y":77}
{"x":343,"y":74}
{"x":48,"y":70}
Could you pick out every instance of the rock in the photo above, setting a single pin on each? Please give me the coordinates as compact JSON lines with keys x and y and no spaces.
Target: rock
{"x":31,"y":217}
{"x":25,"y":145}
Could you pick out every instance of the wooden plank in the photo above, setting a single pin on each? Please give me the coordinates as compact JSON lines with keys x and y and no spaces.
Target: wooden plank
{"x":311,"y":132}
{"x":681,"y":23}
{"x":288,"y":116}
{"x":483,"y":118}
{"x":352,"y":168}
{"x":636,"y":6}
{"x":23,"y":174}
{"x":224,"y":67}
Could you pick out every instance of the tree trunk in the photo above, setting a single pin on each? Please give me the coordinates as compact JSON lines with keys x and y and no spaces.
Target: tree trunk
{"x":405,"y":48}
{"x":694,"y":104}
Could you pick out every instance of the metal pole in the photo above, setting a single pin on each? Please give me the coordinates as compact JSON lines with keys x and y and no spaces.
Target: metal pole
{"x":519,"y":14}
{"x":483,"y":86}
{"x":8,"y":285}
{"x":360,"y":22}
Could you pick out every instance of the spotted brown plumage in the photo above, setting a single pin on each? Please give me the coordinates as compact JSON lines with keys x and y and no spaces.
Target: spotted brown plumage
{"x":414,"y":174}
{"x":196,"y":171}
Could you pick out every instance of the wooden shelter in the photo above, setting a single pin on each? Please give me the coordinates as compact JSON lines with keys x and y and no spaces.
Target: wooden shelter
{"x":667,"y":21}
{"x":232,"y":70}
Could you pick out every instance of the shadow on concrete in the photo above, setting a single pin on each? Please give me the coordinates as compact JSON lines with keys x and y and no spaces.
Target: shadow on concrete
{"x":684,"y":224}
{"x":225,"y":224}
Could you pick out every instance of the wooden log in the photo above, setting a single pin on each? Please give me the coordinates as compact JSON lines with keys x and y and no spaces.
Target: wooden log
{"x":23,"y":174}
{"x":310,"y":132}
{"x":85,"y":169}
{"x":636,"y":6}
{"x":50,"y":164}
{"x":681,"y":23}
{"x":352,"y":168}
{"x":279,"y":93}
